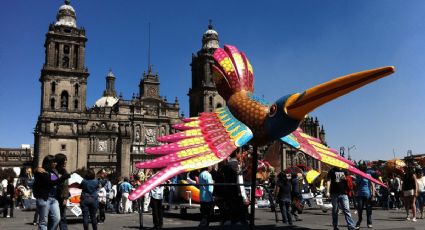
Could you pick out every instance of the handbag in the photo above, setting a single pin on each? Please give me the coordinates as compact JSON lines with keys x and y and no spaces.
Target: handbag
{"x":297,"y":205}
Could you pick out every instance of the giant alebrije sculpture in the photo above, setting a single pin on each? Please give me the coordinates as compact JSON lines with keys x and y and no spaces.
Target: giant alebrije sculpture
{"x":212,"y":137}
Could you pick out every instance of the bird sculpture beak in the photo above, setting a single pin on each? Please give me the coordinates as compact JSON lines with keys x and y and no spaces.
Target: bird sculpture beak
{"x":299,"y":105}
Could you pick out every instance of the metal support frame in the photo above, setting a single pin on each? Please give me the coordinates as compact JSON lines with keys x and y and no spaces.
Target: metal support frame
{"x":253,"y":186}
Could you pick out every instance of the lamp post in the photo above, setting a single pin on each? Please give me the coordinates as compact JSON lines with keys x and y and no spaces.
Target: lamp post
{"x":342,"y":151}
{"x":348,"y":149}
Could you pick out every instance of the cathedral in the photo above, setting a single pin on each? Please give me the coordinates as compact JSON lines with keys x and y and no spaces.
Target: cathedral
{"x":110,"y":134}
{"x":113,"y":133}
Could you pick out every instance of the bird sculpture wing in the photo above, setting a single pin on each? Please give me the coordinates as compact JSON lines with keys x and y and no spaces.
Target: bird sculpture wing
{"x":314,"y":148}
{"x":203,"y":141}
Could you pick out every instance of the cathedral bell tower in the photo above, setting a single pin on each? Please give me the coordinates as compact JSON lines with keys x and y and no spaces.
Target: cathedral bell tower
{"x":203,"y":95}
{"x":64,"y":76}
{"x":149,"y":84}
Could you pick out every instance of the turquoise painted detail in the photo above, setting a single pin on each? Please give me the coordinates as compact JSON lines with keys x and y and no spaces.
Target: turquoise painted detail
{"x":289,"y":139}
{"x":258,"y":99}
{"x":231,"y":123}
{"x":247,"y":136}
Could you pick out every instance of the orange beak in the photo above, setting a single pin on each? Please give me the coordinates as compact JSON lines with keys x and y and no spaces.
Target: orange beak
{"x":298,"y":105}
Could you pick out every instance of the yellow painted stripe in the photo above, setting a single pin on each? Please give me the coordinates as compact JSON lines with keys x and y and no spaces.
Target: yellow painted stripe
{"x":193,"y":151}
{"x":239,"y":63}
{"x":238,"y":135}
{"x":322,"y":148}
{"x":200,"y":162}
{"x":191,"y":141}
{"x":334,"y":162}
{"x":192,"y":124}
{"x":193,"y":132}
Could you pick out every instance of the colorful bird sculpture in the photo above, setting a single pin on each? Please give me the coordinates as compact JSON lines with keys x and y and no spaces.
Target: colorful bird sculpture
{"x":210,"y":138}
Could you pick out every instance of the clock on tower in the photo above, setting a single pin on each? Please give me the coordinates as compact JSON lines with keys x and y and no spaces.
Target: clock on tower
{"x":151,"y":91}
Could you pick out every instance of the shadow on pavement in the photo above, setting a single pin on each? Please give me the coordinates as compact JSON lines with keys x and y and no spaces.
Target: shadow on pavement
{"x":232,"y":227}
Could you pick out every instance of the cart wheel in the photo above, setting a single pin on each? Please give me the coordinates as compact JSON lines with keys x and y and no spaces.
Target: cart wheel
{"x":183,"y":211}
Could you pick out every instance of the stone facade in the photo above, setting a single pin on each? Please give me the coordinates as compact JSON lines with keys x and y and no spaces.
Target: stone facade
{"x":111,"y":134}
{"x":203,"y":96}
{"x":16,"y":157}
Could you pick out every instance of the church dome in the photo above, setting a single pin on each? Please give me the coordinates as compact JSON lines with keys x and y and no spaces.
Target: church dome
{"x":66,"y":16}
{"x":210,"y":38}
{"x":106,"y":101}
{"x":211,"y":32}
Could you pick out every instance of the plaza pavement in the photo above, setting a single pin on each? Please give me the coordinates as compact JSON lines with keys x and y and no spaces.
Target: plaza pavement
{"x":265,"y":219}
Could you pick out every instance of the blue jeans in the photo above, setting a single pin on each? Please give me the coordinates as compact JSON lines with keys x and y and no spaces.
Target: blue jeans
{"x":341,"y":201}
{"x":48,"y":211}
{"x":367,"y":202}
{"x":285,"y":209}
{"x":63,"y":224}
{"x":89,"y":206}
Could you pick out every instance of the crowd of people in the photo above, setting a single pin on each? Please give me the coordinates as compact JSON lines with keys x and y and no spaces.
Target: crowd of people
{"x":102,"y":193}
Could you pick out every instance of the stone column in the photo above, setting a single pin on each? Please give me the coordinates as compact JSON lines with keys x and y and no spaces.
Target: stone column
{"x":44,"y":149}
{"x":81,"y":156}
{"x":123,"y":160}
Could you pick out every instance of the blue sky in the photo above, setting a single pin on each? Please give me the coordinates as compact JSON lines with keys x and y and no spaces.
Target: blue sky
{"x":292,"y":45}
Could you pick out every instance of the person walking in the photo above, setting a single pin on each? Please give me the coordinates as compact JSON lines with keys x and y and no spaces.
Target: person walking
{"x":117,"y":198}
{"x":396,"y":187}
{"x":282,"y":194}
{"x":125,"y":188}
{"x":296,"y":197}
{"x":63,"y":191}
{"x":147,"y":197}
{"x":365,"y":193}
{"x":9,"y":198}
{"x":89,"y":199}
{"x":102,"y":204}
{"x":337,"y":189}
{"x":410,"y":191}
{"x":206,"y":196}
{"x":46,"y":180}
{"x":235,"y":196}
{"x":421,"y":189}
{"x":157,"y":195}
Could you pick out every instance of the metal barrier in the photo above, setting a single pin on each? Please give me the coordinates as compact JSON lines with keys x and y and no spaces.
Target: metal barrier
{"x":252,"y":193}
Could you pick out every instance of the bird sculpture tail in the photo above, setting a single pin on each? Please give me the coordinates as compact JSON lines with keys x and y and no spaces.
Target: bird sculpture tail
{"x":232,"y":71}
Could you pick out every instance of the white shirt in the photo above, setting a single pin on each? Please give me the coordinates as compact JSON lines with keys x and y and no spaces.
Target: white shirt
{"x":421,"y":184}
{"x":157,"y":192}
{"x":3,"y":186}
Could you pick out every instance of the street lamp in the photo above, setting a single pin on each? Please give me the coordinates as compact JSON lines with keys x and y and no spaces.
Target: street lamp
{"x":342,"y":151}
{"x":350,"y":148}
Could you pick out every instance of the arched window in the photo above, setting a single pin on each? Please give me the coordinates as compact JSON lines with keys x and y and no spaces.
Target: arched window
{"x":76,"y":89}
{"x":219,"y":105}
{"x":64,"y":100}
{"x":52,"y":103}
{"x":65,"y":62}
{"x":53,"y":87}
{"x":76,"y":104}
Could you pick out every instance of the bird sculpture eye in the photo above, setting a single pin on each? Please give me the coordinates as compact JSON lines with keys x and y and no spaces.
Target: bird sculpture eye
{"x":272,"y":110}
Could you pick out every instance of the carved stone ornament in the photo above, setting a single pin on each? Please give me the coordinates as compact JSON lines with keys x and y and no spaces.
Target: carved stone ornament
{"x":102,"y":146}
{"x":150,"y":135}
